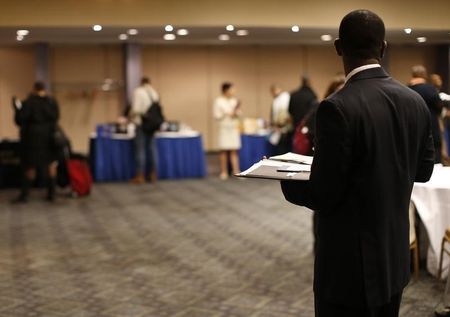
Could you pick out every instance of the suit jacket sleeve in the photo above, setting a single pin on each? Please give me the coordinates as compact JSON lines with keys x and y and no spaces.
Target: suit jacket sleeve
{"x":426,"y":162}
{"x":331,"y":164}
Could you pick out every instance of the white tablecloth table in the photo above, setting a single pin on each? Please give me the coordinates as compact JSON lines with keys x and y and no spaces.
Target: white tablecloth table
{"x":432,"y":201}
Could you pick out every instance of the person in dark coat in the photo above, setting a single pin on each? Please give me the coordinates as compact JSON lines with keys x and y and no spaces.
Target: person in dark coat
{"x":301,"y":102}
{"x":37,"y":117}
{"x":430,"y":94}
{"x":373,"y":141}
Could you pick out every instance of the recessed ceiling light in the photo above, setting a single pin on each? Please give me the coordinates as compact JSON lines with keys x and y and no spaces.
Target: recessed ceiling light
{"x":132,"y":32}
{"x":22,"y":32}
{"x":97,"y":27}
{"x":295,"y":28}
{"x":242,"y":33}
{"x":168,"y":28}
{"x":224,"y":37}
{"x":19,"y":38}
{"x":230,"y":27}
{"x":170,"y":37}
{"x":326,"y":37}
{"x":408,"y":30}
{"x":421,"y":39}
{"x":123,"y":37}
{"x":182,"y":32}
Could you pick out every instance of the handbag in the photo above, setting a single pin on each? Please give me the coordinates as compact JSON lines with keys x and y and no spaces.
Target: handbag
{"x":302,"y":140}
{"x":60,"y":139}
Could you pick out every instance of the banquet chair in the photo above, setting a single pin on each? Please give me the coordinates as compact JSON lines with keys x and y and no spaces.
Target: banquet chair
{"x":413,"y":244}
{"x":443,"y":249}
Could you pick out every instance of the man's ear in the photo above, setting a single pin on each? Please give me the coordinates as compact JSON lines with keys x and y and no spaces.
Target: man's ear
{"x":338,"y":46}
{"x":383,"y":49}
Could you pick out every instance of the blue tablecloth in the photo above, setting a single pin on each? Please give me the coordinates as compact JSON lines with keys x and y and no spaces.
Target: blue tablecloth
{"x":181,"y":158}
{"x":254,"y":147}
{"x":178,"y":157}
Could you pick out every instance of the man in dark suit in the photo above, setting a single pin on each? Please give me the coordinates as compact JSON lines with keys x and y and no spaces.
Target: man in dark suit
{"x":373,"y":141}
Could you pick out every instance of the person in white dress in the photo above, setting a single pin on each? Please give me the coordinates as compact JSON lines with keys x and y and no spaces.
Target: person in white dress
{"x":227,"y":110}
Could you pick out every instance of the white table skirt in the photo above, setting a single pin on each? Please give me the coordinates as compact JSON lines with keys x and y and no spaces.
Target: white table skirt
{"x":432,"y":201}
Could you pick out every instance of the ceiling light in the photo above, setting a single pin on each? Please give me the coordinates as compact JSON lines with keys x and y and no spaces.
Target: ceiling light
{"x":242,"y":33}
{"x":408,"y":30}
{"x":224,"y":37}
{"x":19,"y":38}
{"x":230,"y":27}
{"x":168,"y":28}
{"x":169,"y":37}
{"x":123,"y":37}
{"x":421,"y":39}
{"x":97,"y":28}
{"x":22,"y":32}
{"x":132,"y":32}
{"x":182,"y":32}
{"x":295,"y":28}
{"x":326,"y":37}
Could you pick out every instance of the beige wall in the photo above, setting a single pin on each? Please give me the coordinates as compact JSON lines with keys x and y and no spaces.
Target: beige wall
{"x":16,"y":78}
{"x":402,"y":58}
{"x":188,"y":79}
{"x":307,"y":13}
{"x":77,"y":74}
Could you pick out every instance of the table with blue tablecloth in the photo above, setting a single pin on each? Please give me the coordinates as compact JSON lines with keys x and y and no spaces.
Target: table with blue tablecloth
{"x":180,"y":155}
{"x":254,"y":147}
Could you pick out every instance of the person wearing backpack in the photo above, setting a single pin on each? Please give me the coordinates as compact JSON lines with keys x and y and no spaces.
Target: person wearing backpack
{"x":142,"y":113}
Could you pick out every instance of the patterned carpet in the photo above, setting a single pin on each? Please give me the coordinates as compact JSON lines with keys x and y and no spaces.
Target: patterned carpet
{"x":197,"y":248}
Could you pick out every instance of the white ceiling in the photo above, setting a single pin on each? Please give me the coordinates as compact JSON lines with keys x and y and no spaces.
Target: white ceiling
{"x":202,"y":36}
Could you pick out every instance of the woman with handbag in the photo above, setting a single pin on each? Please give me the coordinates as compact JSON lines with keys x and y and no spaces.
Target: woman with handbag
{"x":37,"y":117}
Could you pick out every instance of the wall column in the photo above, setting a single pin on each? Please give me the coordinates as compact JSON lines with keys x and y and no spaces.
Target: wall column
{"x":133,"y":69}
{"x":43,"y":64}
{"x":443,"y":66}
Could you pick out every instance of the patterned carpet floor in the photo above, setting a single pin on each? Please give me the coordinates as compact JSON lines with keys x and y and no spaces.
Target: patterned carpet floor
{"x":195,"y":248}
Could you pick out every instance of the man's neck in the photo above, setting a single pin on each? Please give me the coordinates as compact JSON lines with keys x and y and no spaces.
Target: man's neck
{"x":350,"y":65}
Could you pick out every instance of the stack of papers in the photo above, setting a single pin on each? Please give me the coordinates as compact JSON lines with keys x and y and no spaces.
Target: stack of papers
{"x":288,"y":166}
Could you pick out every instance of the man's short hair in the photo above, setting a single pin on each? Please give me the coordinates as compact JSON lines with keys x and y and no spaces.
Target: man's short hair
{"x":361,"y":34}
{"x":145,"y":80}
{"x":419,"y":71}
{"x":39,"y":86}
{"x":226,"y":86}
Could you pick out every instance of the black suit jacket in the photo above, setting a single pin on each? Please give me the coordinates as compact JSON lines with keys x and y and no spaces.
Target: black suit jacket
{"x":373,"y":141}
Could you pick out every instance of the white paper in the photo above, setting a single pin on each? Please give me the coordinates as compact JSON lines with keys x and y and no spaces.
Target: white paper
{"x":292,"y":157}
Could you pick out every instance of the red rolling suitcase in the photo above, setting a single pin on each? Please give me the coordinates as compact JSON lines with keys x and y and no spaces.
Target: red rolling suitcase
{"x":79,"y":176}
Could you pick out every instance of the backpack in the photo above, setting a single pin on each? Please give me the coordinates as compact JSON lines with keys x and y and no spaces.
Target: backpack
{"x":152,"y":119}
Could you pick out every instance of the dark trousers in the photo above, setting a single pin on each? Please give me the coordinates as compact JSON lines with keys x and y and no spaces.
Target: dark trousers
{"x":325,"y":309}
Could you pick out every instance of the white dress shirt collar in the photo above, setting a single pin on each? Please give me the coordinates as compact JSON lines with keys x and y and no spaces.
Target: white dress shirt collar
{"x":360,"y":69}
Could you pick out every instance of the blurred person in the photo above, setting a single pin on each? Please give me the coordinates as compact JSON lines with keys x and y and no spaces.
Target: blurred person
{"x":145,"y":150}
{"x":301,"y":101}
{"x":373,"y":141}
{"x":227,"y":109}
{"x":37,"y":117}
{"x":280,"y":119}
{"x":335,"y":85}
{"x":419,"y":84}
{"x":436,"y":81}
